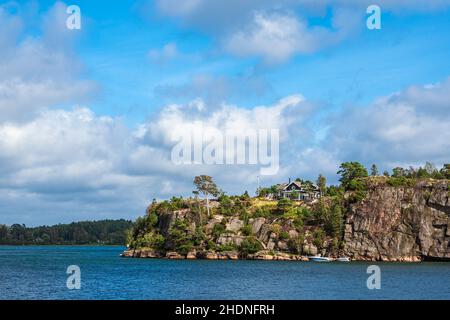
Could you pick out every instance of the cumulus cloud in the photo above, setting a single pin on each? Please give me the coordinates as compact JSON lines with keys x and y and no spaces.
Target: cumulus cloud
{"x":278,"y":30}
{"x":94,"y":166}
{"x":58,"y":165}
{"x":405,"y":128}
{"x":35,"y":72}
{"x":97,"y":166}
{"x":276,"y":37}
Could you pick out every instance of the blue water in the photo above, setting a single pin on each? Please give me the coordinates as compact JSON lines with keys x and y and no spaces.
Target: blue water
{"x":39,"y":272}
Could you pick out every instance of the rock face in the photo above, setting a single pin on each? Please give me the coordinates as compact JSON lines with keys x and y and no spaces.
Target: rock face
{"x":234,"y":225}
{"x":230,"y":239}
{"x":400,"y":224}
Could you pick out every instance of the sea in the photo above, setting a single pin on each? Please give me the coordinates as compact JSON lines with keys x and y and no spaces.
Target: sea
{"x":98,"y":272}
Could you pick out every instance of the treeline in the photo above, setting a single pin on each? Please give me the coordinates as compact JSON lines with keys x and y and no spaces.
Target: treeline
{"x":428,"y":171}
{"x":107,"y":232}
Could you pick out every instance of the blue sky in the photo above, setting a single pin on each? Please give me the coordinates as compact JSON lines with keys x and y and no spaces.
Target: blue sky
{"x":116,"y":39}
{"x":83,"y":112}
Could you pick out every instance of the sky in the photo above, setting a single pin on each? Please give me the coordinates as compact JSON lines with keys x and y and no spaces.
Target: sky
{"x":86,"y":116}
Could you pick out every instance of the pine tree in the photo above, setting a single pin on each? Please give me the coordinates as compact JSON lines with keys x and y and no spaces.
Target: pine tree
{"x":374,"y":170}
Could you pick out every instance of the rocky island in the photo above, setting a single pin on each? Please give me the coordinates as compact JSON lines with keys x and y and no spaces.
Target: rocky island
{"x":372,"y":218}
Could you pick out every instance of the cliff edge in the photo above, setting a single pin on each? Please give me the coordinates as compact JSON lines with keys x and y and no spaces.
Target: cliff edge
{"x":400,"y":223}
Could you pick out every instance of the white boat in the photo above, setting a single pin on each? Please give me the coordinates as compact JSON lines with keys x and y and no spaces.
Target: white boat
{"x":319,"y":259}
{"x":343,"y":259}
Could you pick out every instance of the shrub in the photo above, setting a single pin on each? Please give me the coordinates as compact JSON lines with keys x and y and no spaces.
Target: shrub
{"x":276,"y":228}
{"x":246,"y":230}
{"x":318,"y":237}
{"x":177,"y":203}
{"x":226,"y":247}
{"x":298,"y":222}
{"x":153,"y":240}
{"x":249,"y":246}
{"x":320,"y":212}
{"x":180,"y":238}
{"x":218,"y":229}
{"x":263,"y":211}
{"x":284,"y":235}
{"x":400,"y":182}
{"x":211,"y":245}
{"x":225,"y":205}
{"x":199,"y":236}
{"x":295,"y":244}
{"x":304,"y":212}
{"x":334,"y":191}
{"x":284,"y":205}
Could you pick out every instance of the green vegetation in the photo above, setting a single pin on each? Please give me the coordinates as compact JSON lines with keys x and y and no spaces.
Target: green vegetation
{"x":218,"y":229}
{"x":206,"y":186}
{"x":246,"y":230}
{"x":295,"y":244}
{"x":284,"y":205}
{"x":318,"y":238}
{"x":322,"y":184}
{"x":262,"y":192}
{"x":249,"y":246}
{"x":293,"y":223}
{"x":284,"y":235}
{"x":264,"y":211}
{"x":350,"y":173}
{"x":226,"y":247}
{"x":180,"y":238}
{"x":106,"y":232}
{"x":374,"y":170}
{"x":428,"y":171}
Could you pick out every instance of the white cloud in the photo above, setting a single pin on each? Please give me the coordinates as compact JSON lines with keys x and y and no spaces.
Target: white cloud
{"x":74,"y":164}
{"x":276,"y":37}
{"x":38,"y":72}
{"x":405,"y":128}
{"x":96,"y":166}
{"x":277,"y":30}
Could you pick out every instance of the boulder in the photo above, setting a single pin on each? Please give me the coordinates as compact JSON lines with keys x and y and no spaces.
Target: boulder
{"x":234,"y":225}
{"x":262,"y":255}
{"x":310,"y":249}
{"x":174,"y":255}
{"x":282,"y":245}
{"x":212,"y":222}
{"x":227,"y":238}
{"x":270,"y":245}
{"x":211,"y":255}
{"x":264,"y":233}
{"x":293,"y":234}
{"x":257,"y":224}
{"x":232,"y":255}
{"x":191,"y":255}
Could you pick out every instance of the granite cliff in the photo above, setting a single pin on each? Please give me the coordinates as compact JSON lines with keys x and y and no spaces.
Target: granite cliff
{"x":402,"y":223}
{"x":406,"y":222}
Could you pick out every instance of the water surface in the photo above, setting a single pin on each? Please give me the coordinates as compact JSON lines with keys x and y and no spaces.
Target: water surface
{"x":39,"y":272}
